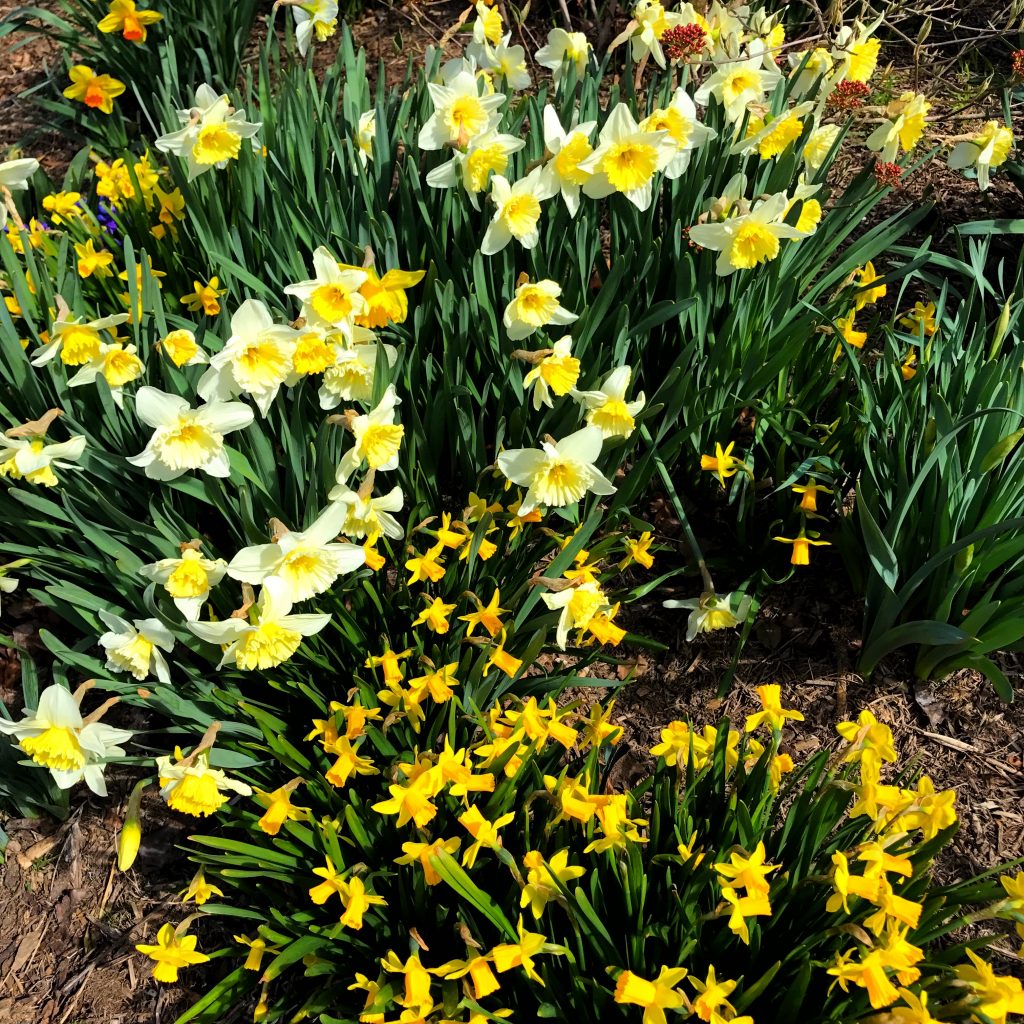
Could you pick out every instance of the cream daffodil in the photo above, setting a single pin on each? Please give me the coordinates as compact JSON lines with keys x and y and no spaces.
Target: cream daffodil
{"x":185,"y":438}
{"x":856,"y":52}
{"x":135,"y":647}
{"x":350,"y":378}
{"x":181,"y":348}
{"x":517,"y":210}
{"x":502,"y":61}
{"x":738,"y":83}
{"x":902,"y":128}
{"x":607,"y":407}
{"x":307,"y":562}
{"x":366,"y":132}
{"x":626,"y":159}
{"x":212,"y":134}
{"x":679,"y":119}
{"x":560,"y":47}
{"x":190,"y":786}
{"x":710,"y":612}
{"x":367,"y":516}
{"x":558,"y":474}
{"x":377,"y":437}
{"x":256,"y":359}
{"x":772,"y":136}
{"x":568,"y":150}
{"x":314,"y":16}
{"x":534,"y":305}
{"x":268,"y":636}
{"x":652,"y":21}
{"x":55,"y":735}
{"x":332,"y":296}
{"x":819,"y":144}
{"x":806,"y":76}
{"x":460,"y":112}
{"x":117,"y":364}
{"x":989,"y":148}
{"x":485,"y":155}
{"x":14,"y":176}
{"x":556,"y":370}
{"x":577,"y":606}
{"x":188,"y":579}
{"x":32,"y":459}
{"x":78,"y":341}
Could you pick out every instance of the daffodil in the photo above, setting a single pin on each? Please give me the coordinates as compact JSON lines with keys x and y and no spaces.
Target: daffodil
{"x":607,"y":407}
{"x":135,"y":647}
{"x":543,"y":878}
{"x":802,"y":544}
{"x":75,"y":339}
{"x":204,"y":297}
{"x":55,"y":735}
{"x":772,"y":713}
{"x":487,"y":615}
{"x":517,"y":209}
{"x":902,"y":128}
{"x":712,"y":996}
{"x":319,"y":17}
{"x":368,"y":516}
{"x":29,"y":457}
{"x":460,"y":112}
{"x":124,"y":17}
{"x":332,"y":296}
{"x":95,"y":91}
{"x":377,"y":438}
{"x":577,"y":605}
{"x":188,"y":579}
{"x":307,"y":562}
{"x":502,"y":61}
{"x":184,"y":438}
{"x":269,"y":635}
{"x":626,"y":159}
{"x":8,"y":583}
{"x":772,"y":136}
{"x":809,"y":70}
{"x":986,"y":149}
{"x":711,"y":611}
{"x":351,"y":376}
{"x":558,"y":474}
{"x":484,"y":833}
{"x":868,"y":290}
{"x":14,"y":177}
{"x":568,"y":150}
{"x":212,"y":135}
{"x":654,"y":996}
{"x":856,"y":52}
{"x":819,"y":144}
{"x":738,"y":83}
{"x":92,"y":261}
{"x":651,"y":22}
{"x":116,"y":363}
{"x":562,"y":46}
{"x":555,"y":370}
{"x":199,"y":889}
{"x":422,"y":854}
{"x":386,"y":299}
{"x":679,"y":119}
{"x":256,"y":359}
{"x":366,"y":132}
{"x":920,"y":320}
{"x":534,"y":305}
{"x":279,"y":807}
{"x":181,"y":348}
{"x":172,"y":953}
{"x":189,"y":785}
{"x":486,"y":154}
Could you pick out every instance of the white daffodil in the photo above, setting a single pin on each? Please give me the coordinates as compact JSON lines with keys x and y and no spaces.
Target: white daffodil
{"x":819,"y":145}
{"x":559,"y":473}
{"x":534,"y":305}
{"x":307,"y":562}
{"x":377,"y":437}
{"x":181,"y":348}
{"x":903,"y":127}
{"x":189,"y":785}
{"x":578,"y":605}
{"x":560,"y":47}
{"x":806,"y":77}
{"x":748,"y":239}
{"x":856,"y":52}
{"x":117,"y":364}
{"x":488,"y":26}
{"x":135,"y":646}
{"x":652,"y":22}
{"x":485,"y":155}
{"x":460,"y":112}
{"x":269,"y":635}
{"x":14,"y":175}
{"x":810,"y":209}
{"x":78,"y":341}
{"x":366,"y":132}
{"x":32,"y":459}
{"x":502,"y":61}
{"x":212,"y":134}
{"x":319,"y":16}
{"x":738,"y":83}
{"x":517,"y":210}
{"x":9,"y":584}
{"x":772,"y":136}
{"x":556,"y":370}
{"x":256,"y":359}
{"x":607,"y":408}
{"x":710,"y":612}
{"x":351,"y":377}
{"x":368,"y":517}
{"x":56,"y":736}
{"x":568,"y":150}
{"x":679,"y":119}
{"x":988,"y":149}
{"x":187,"y":579}
{"x":332,"y":297}
{"x":184,"y":438}
{"x":627,"y":159}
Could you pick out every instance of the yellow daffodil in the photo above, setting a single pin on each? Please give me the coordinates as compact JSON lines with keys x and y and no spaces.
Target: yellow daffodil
{"x":92,"y":262}
{"x":172,"y":953}
{"x":95,"y":91}
{"x":124,"y":17}
{"x":654,"y":996}
{"x":421,"y":853}
{"x":802,"y":543}
{"x":713,"y":997}
{"x":279,"y":807}
{"x":544,"y":877}
{"x":204,"y":297}
{"x":772,"y":713}
{"x":199,"y":889}
{"x":920,"y":320}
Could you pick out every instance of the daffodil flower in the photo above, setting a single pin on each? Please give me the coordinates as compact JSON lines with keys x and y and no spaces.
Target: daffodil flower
{"x":738,"y":83}
{"x":460,"y":112}
{"x":189,"y":785}
{"x":78,"y":341}
{"x":556,"y":370}
{"x":503,"y":61}
{"x":135,"y":647}
{"x":802,"y":546}
{"x":307,"y":562}
{"x":180,"y":347}
{"x":651,"y":21}
{"x":185,"y":438}
{"x":855,"y":52}
{"x":269,"y":635}
{"x":32,"y":459}
{"x":256,"y":360}
{"x":368,"y":516}
{"x":626,"y":159}
{"x":568,"y":150}
{"x":903,"y":127}
{"x":212,"y":134}
{"x":819,"y":144}
{"x":576,"y":607}
{"x":9,"y":584}
{"x":96,"y":91}
{"x":351,"y":377}
{"x":316,"y":16}
{"x":56,"y":736}
{"x":117,"y":364}
{"x":517,"y":210}
{"x":987,"y":149}
{"x":560,"y":47}
{"x":534,"y":305}
{"x":187,"y":579}
{"x":654,"y":996}
{"x":607,"y":407}
{"x":172,"y":953}
{"x":679,"y":119}
{"x":14,"y":176}
{"x":366,"y":132}
{"x":558,"y":474}
{"x":124,"y":17}
{"x":772,"y":136}
{"x":377,"y":438}
{"x":332,"y":296}
{"x":485,"y":155}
